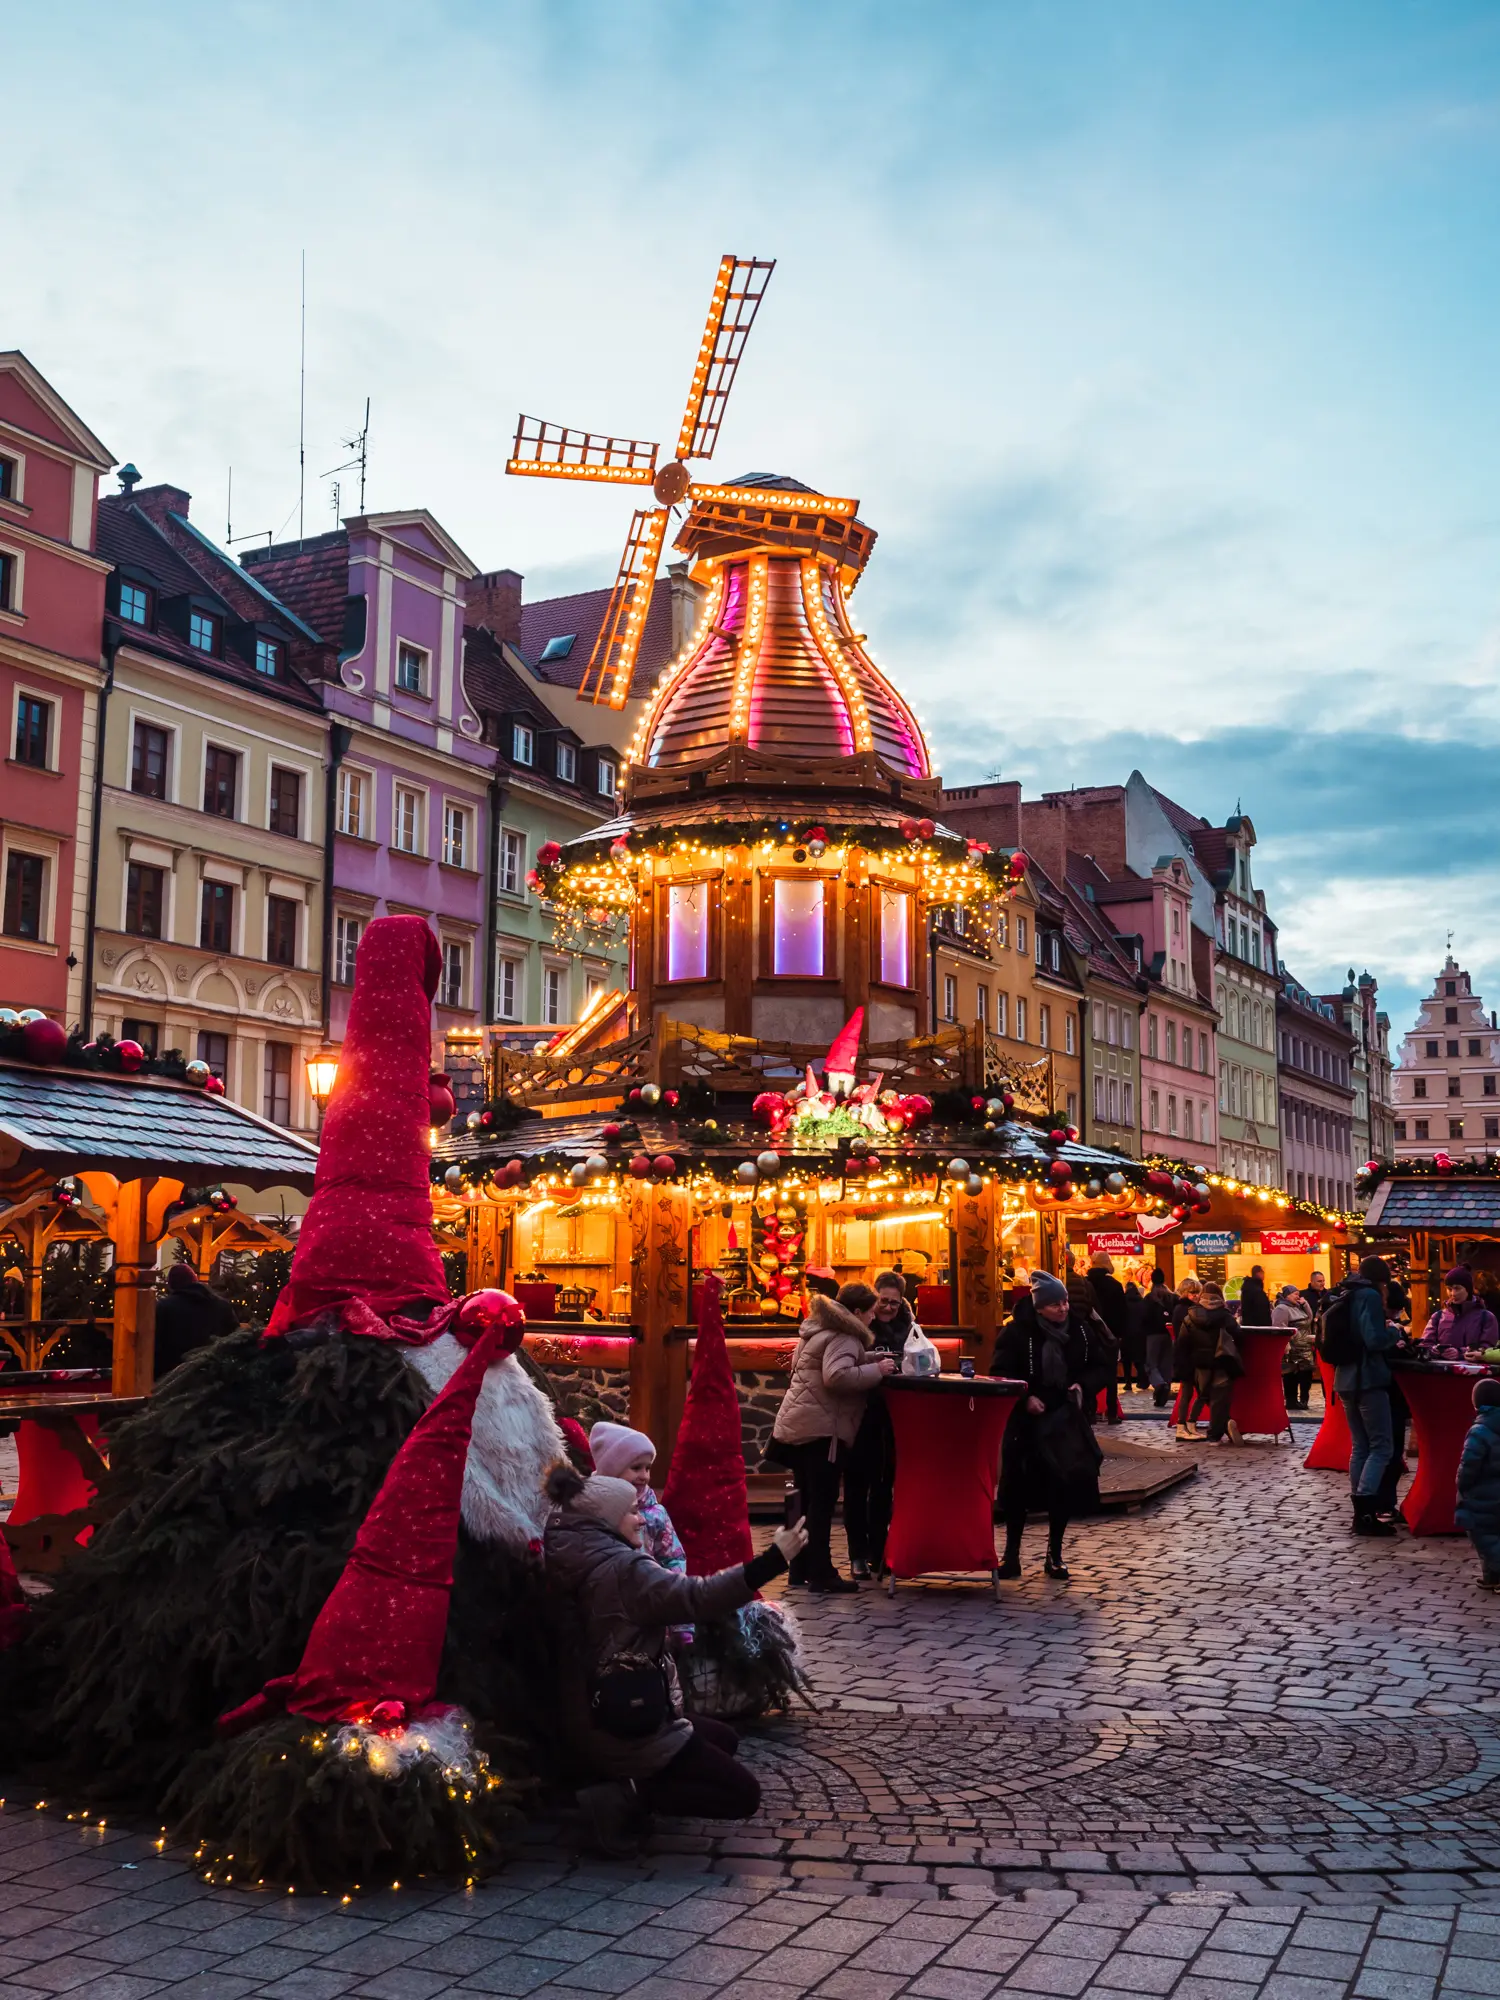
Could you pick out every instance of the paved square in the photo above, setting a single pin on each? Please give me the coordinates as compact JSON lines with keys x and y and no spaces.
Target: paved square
{"x":1242,"y":1756}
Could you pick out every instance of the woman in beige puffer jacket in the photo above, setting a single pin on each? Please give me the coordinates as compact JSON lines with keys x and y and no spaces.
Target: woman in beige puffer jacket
{"x":833,"y":1373}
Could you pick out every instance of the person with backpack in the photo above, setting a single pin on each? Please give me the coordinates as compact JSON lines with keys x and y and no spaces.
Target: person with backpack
{"x":1355,"y":1341}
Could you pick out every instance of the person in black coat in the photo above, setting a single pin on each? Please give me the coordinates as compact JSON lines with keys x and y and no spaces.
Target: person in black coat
{"x":1255,"y":1301}
{"x":1156,"y":1312}
{"x":870,"y":1469}
{"x":1109,"y":1301}
{"x":1046,"y":1460}
{"x":190,"y":1316}
{"x":1213,"y":1354}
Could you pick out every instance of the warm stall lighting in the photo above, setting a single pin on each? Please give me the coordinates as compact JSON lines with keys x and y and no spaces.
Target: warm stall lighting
{"x":322,"y":1075}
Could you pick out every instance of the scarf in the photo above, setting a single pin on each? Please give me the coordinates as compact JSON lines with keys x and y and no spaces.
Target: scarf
{"x":1052,"y":1361}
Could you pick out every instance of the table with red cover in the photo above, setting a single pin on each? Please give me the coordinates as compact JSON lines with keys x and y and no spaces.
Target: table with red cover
{"x":1440,"y":1397}
{"x":948,"y":1432}
{"x":1258,"y":1405}
{"x":1333,"y":1446}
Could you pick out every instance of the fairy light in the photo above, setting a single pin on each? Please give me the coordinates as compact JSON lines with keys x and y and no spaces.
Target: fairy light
{"x":829,"y":646}
{"x":776,"y":501}
{"x":749,"y":649}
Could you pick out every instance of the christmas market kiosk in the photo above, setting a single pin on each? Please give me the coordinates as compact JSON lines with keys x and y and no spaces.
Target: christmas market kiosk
{"x":101,"y":1144}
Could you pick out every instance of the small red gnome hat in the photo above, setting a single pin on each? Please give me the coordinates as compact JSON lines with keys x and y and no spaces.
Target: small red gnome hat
{"x":375,"y":1648}
{"x":366,"y":1241}
{"x":843,"y":1057}
{"x":705,"y":1493}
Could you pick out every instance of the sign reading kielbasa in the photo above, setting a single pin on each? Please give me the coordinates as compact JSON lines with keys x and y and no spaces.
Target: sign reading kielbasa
{"x":1115,"y":1242}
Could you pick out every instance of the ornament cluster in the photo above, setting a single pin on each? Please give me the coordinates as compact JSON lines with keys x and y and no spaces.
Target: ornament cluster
{"x":31,"y":1036}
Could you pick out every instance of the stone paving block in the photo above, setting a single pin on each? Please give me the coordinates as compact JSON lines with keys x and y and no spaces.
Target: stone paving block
{"x":1237,"y":1965}
{"x":1404,"y":1955}
{"x":606,"y":1972}
{"x":1466,"y":1974}
{"x":941,"y":1982}
{"x":514,"y":1976}
{"x":1474,"y":1942}
{"x":852,"y":1984}
{"x":1375,"y":1984}
{"x":1136,"y":1972}
{"x":1079,"y":1940}
{"x":310,"y":1983}
{"x":1298,"y":1986}
{"x":1421,"y":1930}
{"x":790,"y":1965}
{"x":1066,"y":1977}
{"x":1197,"y":1986}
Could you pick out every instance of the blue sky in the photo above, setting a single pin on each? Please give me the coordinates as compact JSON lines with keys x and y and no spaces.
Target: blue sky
{"x":1158,"y":342}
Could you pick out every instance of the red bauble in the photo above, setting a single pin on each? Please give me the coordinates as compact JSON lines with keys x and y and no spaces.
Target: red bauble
{"x":214,"y":1087}
{"x":609,"y":1134}
{"x":131,"y":1054}
{"x":917,"y":1108}
{"x":1057,"y":1136}
{"x":669,"y":1099}
{"x":640,"y":1165}
{"x":1063,"y":1193}
{"x":976,"y":1104}
{"x":910,"y":828}
{"x":512,"y":1173}
{"x":872,"y":1161}
{"x":664,"y":1166}
{"x":548,"y":854}
{"x":1073,"y":1132}
{"x":634,"y":1096}
{"x":45,"y":1040}
{"x":927,"y":828}
{"x":1059,"y":1171}
{"x":1159,"y":1181}
{"x":769,"y":1106}
{"x":441,"y":1103}
{"x":1179,"y":1214}
{"x":1018,"y":864}
{"x":482,"y":1310}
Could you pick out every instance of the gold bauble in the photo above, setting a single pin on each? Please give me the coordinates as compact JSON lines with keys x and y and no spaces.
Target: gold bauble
{"x":770,"y":1309}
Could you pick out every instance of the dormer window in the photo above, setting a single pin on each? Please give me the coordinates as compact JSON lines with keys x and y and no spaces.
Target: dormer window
{"x":411,"y":669}
{"x":203,"y":631}
{"x":268,"y":657}
{"x":567,"y":762}
{"x":135,"y":604}
{"x":522,"y":744}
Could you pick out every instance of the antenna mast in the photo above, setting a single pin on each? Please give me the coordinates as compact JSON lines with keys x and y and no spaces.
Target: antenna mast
{"x":359,"y":444}
{"x":302,"y":408}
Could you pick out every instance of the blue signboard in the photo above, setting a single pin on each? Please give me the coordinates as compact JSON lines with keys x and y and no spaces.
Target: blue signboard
{"x":1210,"y":1242}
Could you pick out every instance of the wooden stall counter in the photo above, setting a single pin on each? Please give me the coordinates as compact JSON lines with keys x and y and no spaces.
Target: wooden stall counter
{"x":948,"y":1434}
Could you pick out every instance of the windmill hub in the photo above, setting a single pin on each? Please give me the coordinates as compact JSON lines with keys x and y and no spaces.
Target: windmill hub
{"x":672,"y":483}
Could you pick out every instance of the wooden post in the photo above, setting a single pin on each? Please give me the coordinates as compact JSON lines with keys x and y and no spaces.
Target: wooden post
{"x":485,"y":1267}
{"x":739,"y":941}
{"x":660,"y":1230}
{"x":978,"y":1289}
{"x":136,"y":1212}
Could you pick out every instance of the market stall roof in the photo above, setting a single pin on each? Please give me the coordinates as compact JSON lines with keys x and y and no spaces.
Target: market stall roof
{"x":72,"y":1121}
{"x":1446,"y":1205}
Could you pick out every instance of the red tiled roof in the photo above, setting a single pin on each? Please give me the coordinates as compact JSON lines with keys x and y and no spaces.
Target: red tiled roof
{"x":1209,"y":844}
{"x":582,"y":614}
{"x":494,"y":686}
{"x":311,"y":576}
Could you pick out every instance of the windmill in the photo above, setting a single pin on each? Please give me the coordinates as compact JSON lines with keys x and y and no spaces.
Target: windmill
{"x":552,"y":451}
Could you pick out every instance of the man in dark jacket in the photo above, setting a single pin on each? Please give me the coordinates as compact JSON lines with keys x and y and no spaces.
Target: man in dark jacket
{"x":1255,"y":1301}
{"x":1046,"y":1461}
{"x":1108,"y":1296}
{"x":1157,"y":1312}
{"x":1363,"y":1386}
{"x":189,"y":1316}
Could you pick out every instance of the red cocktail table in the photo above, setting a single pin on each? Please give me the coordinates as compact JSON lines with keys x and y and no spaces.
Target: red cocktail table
{"x":1332,"y":1447}
{"x":1441,"y":1401}
{"x":1259,"y":1400}
{"x":948,"y":1434}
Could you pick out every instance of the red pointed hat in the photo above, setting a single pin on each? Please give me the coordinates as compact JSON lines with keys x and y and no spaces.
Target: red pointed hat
{"x":366,"y":1241}
{"x":374,"y":1651}
{"x":706,"y":1494}
{"x":844,"y":1055}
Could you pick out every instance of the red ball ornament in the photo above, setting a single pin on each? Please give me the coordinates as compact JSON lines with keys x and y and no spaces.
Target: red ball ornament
{"x":1063,"y":1193}
{"x":44,"y":1040}
{"x":976,"y":1104}
{"x":872,"y":1161}
{"x":618,"y":849}
{"x":441,"y":1103}
{"x":1159,"y":1181}
{"x":1179,"y":1213}
{"x":927,"y":828}
{"x":609,"y":1134}
{"x":486,"y":1117}
{"x":917,"y":1108}
{"x":664,"y":1166}
{"x":533,"y":880}
{"x":1058,"y":1136}
{"x":669,"y":1099}
{"x":1017,"y":864}
{"x":481,"y":1311}
{"x":1073,"y":1132}
{"x":131,"y":1054}
{"x":910,"y":829}
{"x":769,"y":1106}
{"x":512,"y":1173}
{"x":640,"y":1166}
{"x":548,"y":854}
{"x":634,"y":1096}
{"x":214,"y":1087}
{"x":1059,"y":1171}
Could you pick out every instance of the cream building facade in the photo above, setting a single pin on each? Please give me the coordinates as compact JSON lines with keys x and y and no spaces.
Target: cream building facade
{"x":209,"y":896}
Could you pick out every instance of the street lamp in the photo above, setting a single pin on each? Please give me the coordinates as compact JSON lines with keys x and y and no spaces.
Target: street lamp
{"x":322,"y":1074}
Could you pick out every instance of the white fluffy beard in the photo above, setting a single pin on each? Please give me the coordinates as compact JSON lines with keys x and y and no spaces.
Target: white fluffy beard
{"x":514,"y":1444}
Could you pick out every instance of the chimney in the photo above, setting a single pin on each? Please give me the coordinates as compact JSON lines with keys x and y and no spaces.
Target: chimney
{"x":686,"y":598}
{"x":494,"y":599}
{"x":156,"y":502}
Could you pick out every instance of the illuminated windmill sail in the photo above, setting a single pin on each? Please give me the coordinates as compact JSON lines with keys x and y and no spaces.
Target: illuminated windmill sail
{"x":551,"y":451}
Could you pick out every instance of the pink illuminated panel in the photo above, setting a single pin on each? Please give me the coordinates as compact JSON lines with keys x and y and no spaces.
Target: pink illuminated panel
{"x":895,"y":937}
{"x":688,"y":919}
{"x":797,"y":927}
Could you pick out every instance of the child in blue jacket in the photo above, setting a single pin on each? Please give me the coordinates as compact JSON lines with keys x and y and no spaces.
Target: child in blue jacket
{"x":1478,"y":1510}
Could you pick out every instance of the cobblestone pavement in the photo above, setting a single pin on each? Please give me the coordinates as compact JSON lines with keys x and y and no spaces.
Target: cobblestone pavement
{"x":1240,"y":1755}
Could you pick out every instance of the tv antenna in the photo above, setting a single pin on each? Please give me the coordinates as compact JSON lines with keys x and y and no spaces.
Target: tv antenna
{"x":302,"y":407}
{"x":230,"y":537}
{"x":359,"y":444}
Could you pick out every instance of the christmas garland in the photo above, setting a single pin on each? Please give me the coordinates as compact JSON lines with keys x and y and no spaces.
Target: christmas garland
{"x":1441,"y":1166}
{"x":34,"y":1037}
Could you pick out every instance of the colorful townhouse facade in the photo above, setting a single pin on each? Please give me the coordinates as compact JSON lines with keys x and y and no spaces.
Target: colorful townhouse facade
{"x":51,"y":674}
{"x":410,"y":776}
{"x":1447,"y":1080}
{"x":209,"y":904}
{"x":1374,"y":1115}
{"x":1315,"y":1053}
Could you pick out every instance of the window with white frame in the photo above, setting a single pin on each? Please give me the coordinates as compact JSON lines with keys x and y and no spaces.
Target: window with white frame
{"x":1127,"y":1028}
{"x":455,"y":974}
{"x":552,"y":996}
{"x":1098,"y":1021}
{"x":1072,"y":1107}
{"x":456,"y":843}
{"x":950,"y":997}
{"x":593,"y":986}
{"x":406,"y":820}
{"x":1020,"y":1017}
{"x":1044,"y":1026}
{"x":895,"y":937}
{"x":608,"y":777}
{"x":508,"y":989}
{"x":982,"y":1005}
{"x":411,"y":669}
{"x":1001,"y":1000}
{"x":512,"y":861}
{"x":1153,"y":1111}
{"x":1099,"y":1096}
{"x":1070,"y":1033}
{"x":353,"y":797}
{"x":1127,"y":1101}
{"x":1187,"y":1118}
{"x":1112,"y":1026}
{"x":567,"y":762}
{"x":522,"y":744}
{"x":1021,"y":935}
{"x":347,"y":931}
{"x":1114,"y":1100}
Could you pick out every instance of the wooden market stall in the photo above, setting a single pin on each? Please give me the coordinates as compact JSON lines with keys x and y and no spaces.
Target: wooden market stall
{"x":85,"y":1156}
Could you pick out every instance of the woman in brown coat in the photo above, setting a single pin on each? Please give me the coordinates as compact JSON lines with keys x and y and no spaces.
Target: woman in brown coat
{"x":833,"y":1373}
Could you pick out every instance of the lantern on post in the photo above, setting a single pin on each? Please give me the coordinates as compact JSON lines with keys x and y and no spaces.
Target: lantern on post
{"x":322,"y":1075}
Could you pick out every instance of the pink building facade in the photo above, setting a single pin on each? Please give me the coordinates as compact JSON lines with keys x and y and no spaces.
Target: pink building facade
{"x":51,"y":673}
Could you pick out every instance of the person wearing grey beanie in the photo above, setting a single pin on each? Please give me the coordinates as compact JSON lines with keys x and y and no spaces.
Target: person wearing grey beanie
{"x":1049,"y":1458}
{"x":1047,"y":1290}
